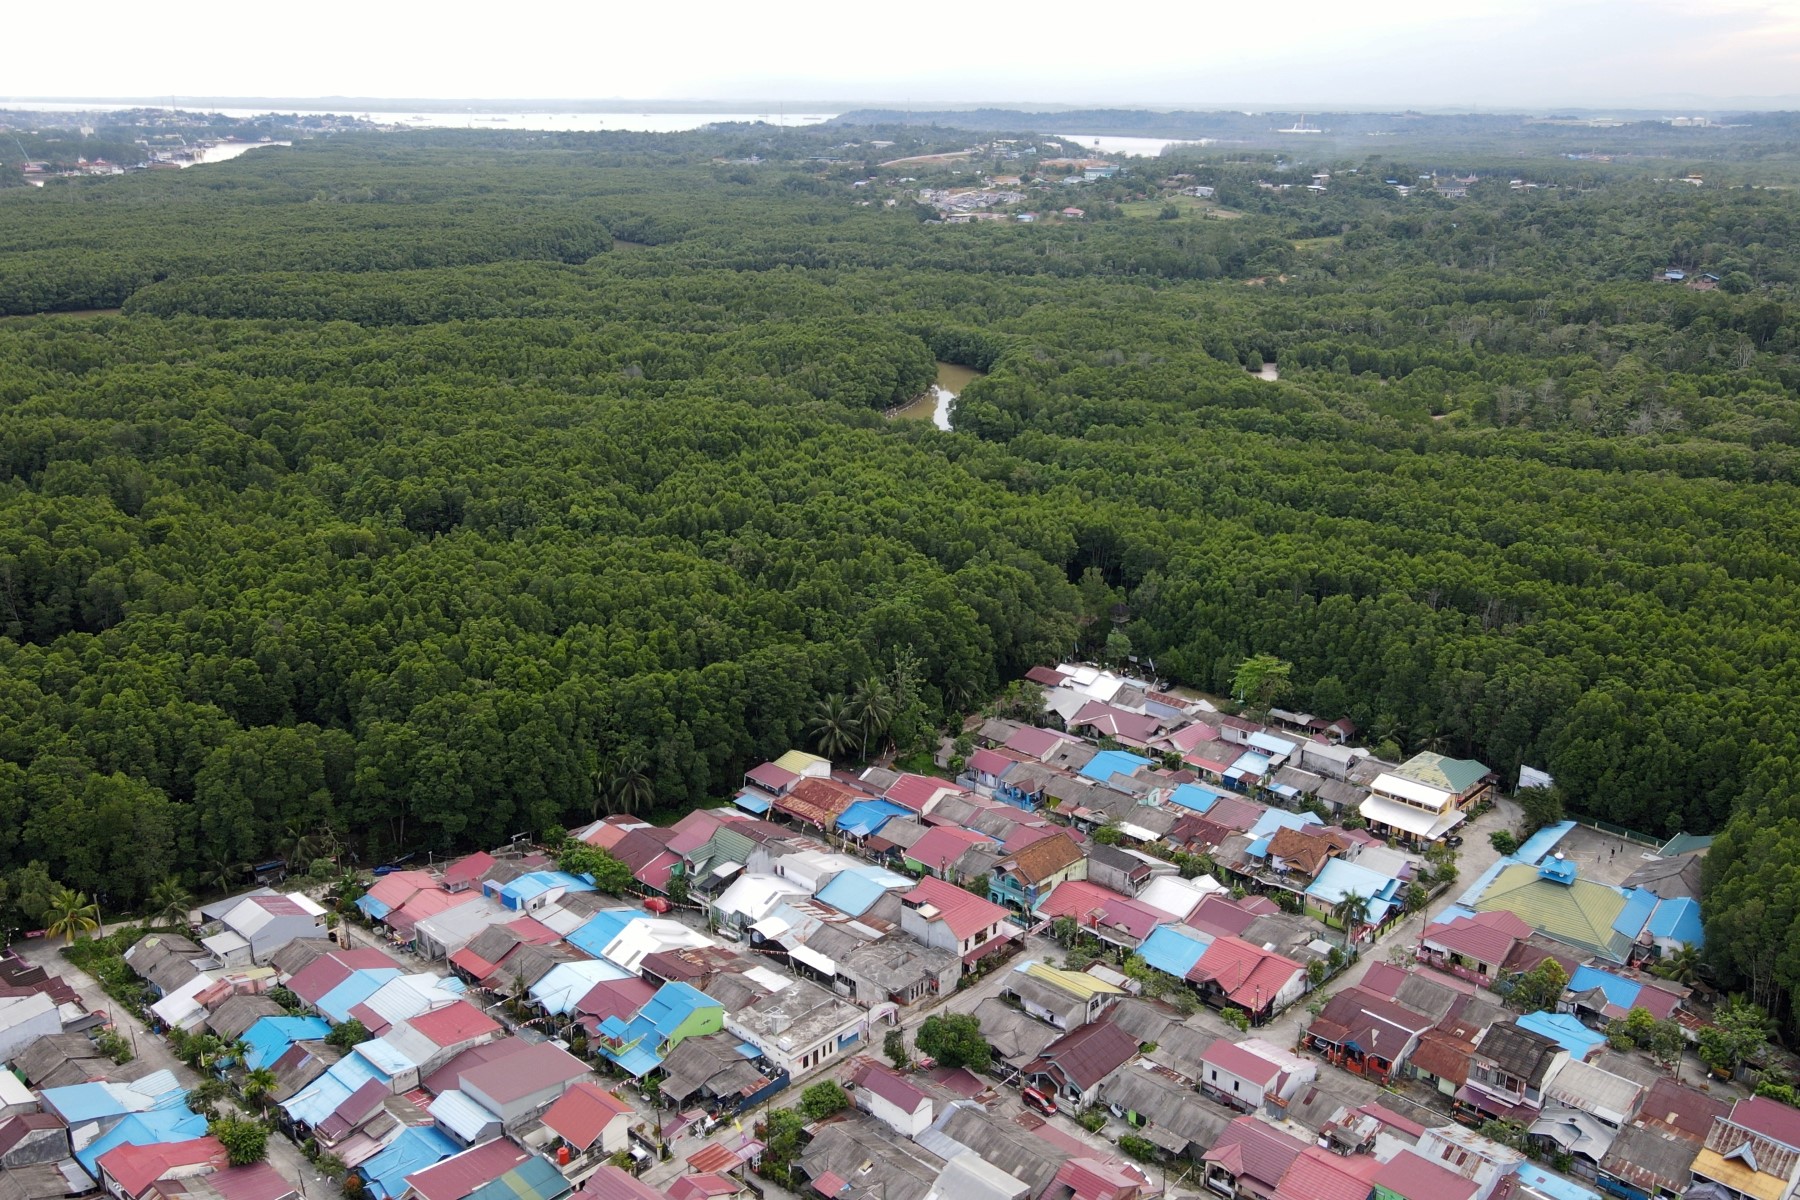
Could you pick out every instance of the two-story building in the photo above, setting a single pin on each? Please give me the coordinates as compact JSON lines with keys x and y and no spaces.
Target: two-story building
{"x":1753,"y":1154}
{"x":1425,"y":797}
{"x":1020,"y":879}
{"x":942,"y":916}
{"x":1507,"y":1074}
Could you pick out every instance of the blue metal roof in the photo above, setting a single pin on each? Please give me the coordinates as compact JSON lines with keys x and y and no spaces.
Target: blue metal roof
{"x":271,"y":1037}
{"x":1678,"y":920}
{"x":357,"y":986}
{"x":372,"y":908}
{"x":751,"y":800}
{"x":598,"y":933}
{"x":867,"y":816}
{"x":533,"y":884}
{"x":854,"y":892}
{"x":1543,"y":842}
{"x":1639,"y":904}
{"x":1249,"y":763}
{"x":1554,"y":1186}
{"x":1620,"y":991}
{"x":1104,"y":765}
{"x":154,"y":1128}
{"x":1174,"y":949}
{"x":1565,"y":1030}
{"x":1280,"y":818}
{"x":1272,"y":746}
{"x":417,"y":1147}
{"x":566,"y":983}
{"x":1196,"y":796}
{"x":79,"y":1102}
{"x":1338,"y":878}
{"x":385,"y":1057}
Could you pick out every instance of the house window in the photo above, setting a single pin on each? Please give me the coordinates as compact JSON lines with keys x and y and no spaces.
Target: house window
{"x":1234,"y":1086}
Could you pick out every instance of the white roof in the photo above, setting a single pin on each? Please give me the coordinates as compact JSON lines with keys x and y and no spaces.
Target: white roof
{"x":1065,"y":702}
{"x":461,"y":1115}
{"x":1138,"y":832}
{"x":407,"y":996}
{"x":561,"y":921}
{"x":1177,"y":896}
{"x":218,"y":908}
{"x":1531,"y":777}
{"x":814,"y":959}
{"x":14,"y":1093}
{"x":1381,"y":810}
{"x":773,"y":980}
{"x":1389,"y":784}
{"x":225,"y":943}
{"x":646,"y":936}
{"x":179,"y":1007}
{"x":566,"y":983}
{"x":249,"y":916}
{"x":756,"y":895}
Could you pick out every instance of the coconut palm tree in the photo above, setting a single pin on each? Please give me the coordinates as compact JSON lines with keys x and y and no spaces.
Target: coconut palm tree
{"x":833,"y":726}
{"x":630,"y":786}
{"x":258,"y":1085}
{"x":171,"y":902}
{"x":1352,"y":910}
{"x":70,"y":913}
{"x":872,"y":706}
{"x":222,"y":870}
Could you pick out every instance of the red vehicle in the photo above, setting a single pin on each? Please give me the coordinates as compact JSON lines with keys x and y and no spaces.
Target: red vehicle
{"x":1036,"y":1099}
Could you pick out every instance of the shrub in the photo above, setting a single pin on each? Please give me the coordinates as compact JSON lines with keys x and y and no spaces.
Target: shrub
{"x":1142,"y":1149}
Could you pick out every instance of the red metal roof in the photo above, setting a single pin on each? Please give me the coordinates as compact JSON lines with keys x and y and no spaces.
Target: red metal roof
{"x":611,"y":1183}
{"x":1046,"y":676}
{"x":581,"y":1114}
{"x":990,"y":762}
{"x":714,"y":1157}
{"x":1414,"y":1177}
{"x":1248,"y":975}
{"x":460,"y":1174}
{"x":817,"y":801}
{"x":1770,"y":1118}
{"x":620,"y":998}
{"x":893,"y":1088}
{"x":1077,"y":898}
{"x":451,"y":1073}
{"x":1486,"y":937}
{"x":1245,"y":1064}
{"x":259,"y":1181}
{"x":531,"y":1070}
{"x":1256,"y":1151}
{"x":453,"y":1023}
{"x":1086,"y":1055}
{"x":1036,"y":743}
{"x":137,"y":1167}
{"x":705,"y":1184}
{"x":468,"y":869}
{"x":917,"y":791}
{"x":772,"y":778}
{"x":943,"y":845}
{"x":1319,"y":1175}
{"x":829,"y":1183}
{"x":964,"y":912}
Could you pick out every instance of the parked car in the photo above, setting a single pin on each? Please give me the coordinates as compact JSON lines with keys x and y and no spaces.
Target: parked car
{"x":1453,"y":841}
{"x":1036,"y":1099}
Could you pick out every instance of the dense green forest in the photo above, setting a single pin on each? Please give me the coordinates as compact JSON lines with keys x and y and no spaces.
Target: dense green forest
{"x":426,"y":482}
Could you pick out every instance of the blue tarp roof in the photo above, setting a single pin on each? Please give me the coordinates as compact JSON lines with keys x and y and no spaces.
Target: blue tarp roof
{"x":1554,"y":1186}
{"x":1543,"y":842}
{"x":154,"y":1128}
{"x":1104,"y":765}
{"x":1619,"y":991}
{"x":1196,"y":796}
{"x":855,"y":892}
{"x":1678,"y":920}
{"x":1280,"y":818}
{"x":533,"y":884}
{"x":865,"y":817}
{"x":417,"y":1147}
{"x":751,"y":800}
{"x":372,"y":908}
{"x":1174,"y":949}
{"x":1639,"y":904}
{"x":357,"y":986}
{"x":598,"y":933}
{"x":271,"y":1037}
{"x":1565,"y":1030}
{"x":749,"y":1049}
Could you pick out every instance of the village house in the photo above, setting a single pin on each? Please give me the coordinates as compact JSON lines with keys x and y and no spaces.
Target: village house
{"x":1073,"y":1067}
{"x":942,"y":916}
{"x":1252,"y":1074}
{"x":1019,"y":880}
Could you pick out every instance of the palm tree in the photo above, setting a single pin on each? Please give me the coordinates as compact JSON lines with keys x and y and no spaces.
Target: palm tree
{"x":70,"y":913}
{"x":222,"y":870}
{"x":1352,"y":910}
{"x":872,"y":707}
{"x":171,"y":902}
{"x":1680,"y":966}
{"x":258,"y":1085}
{"x":833,"y":726}
{"x":630,"y":786}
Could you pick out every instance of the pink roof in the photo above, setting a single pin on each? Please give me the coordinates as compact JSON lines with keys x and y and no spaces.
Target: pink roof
{"x":454,"y":1023}
{"x":1393,"y":1120}
{"x":532,"y":931}
{"x":583,"y":1112}
{"x":695,"y":829}
{"x":1077,"y":898}
{"x":990,"y":762}
{"x":328,"y":970}
{"x":917,"y":791}
{"x":1488,"y":941}
{"x":1245,"y":1064}
{"x":893,"y":1088}
{"x":620,"y":998}
{"x":1250,"y":1148}
{"x":396,"y":889}
{"x":460,"y":1174}
{"x":964,"y":912}
{"x":532,"y":1069}
{"x":1120,"y":723}
{"x":1021,"y":836}
{"x":943,"y":845}
{"x":258,"y":1181}
{"x":611,"y":1183}
{"x":771,"y":777}
{"x":1234,"y":813}
{"x":1770,"y":1118}
{"x":451,"y":1074}
{"x":1192,"y":734}
{"x":655,"y":873}
{"x":696,"y":1187}
{"x":1319,"y":1175}
{"x":469,"y":869}
{"x":1095,"y":1179}
{"x":137,"y":1167}
{"x":1415,"y":1177}
{"x":1248,"y":975}
{"x":426,"y":904}
{"x":1218,"y":916}
{"x":1035,"y":742}
{"x":610,"y":831}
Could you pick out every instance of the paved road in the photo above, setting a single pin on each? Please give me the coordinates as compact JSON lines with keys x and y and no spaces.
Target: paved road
{"x":152,"y":1050}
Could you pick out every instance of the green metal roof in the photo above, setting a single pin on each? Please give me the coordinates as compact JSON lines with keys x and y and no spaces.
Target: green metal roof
{"x":1451,"y":774}
{"x":1580,"y":913}
{"x":1684,"y":843}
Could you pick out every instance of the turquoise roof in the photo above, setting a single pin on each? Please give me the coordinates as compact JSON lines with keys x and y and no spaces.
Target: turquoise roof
{"x":1678,"y":920}
{"x":357,"y":986}
{"x":533,"y":1179}
{"x":867,"y":816}
{"x":1565,"y":1030}
{"x":1554,"y":1186}
{"x":1639,"y":904}
{"x":272,"y":1037}
{"x":1620,"y":991}
{"x":1196,"y":796}
{"x":1104,"y":765}
{"x":417,"y":1147}
{"x":1543,"y":842}
{"x":1279,"y":818}
{"x":1174,"y":949}
{"x":154,"y":1128}
{"x":854,"y":892}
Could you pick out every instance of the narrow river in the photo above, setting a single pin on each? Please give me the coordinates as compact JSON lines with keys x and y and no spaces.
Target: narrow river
{"x":935,"y":404}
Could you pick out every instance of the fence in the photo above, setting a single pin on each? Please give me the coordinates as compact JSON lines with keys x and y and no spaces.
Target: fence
{"x":1630,"y":835}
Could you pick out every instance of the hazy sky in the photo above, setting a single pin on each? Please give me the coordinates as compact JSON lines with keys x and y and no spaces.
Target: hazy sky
{"x":1436,"y":53}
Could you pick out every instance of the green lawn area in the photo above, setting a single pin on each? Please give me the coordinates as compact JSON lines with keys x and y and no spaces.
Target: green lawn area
{"x":1151,"y":209}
